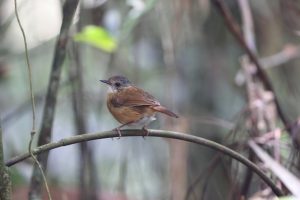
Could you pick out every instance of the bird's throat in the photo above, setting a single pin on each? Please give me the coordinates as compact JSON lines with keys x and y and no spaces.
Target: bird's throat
{"x":111,"y":90}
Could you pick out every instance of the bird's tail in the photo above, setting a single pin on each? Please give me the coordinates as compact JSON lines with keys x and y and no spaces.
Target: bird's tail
{"x":165,"y":111}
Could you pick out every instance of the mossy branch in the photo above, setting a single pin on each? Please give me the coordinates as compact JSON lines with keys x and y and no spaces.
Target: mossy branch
{"x":5,"y":182}
{"x":152,"y":133}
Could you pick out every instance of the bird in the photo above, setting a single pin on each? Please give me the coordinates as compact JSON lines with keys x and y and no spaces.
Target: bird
{"x":132,"y":106}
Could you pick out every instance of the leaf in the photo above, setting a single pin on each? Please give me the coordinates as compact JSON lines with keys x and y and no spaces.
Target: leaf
{"x":97,"y":37}
{"x":287,"y":198}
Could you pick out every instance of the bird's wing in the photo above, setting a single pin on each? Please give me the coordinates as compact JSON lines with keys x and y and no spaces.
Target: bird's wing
{"x":134,"y":96}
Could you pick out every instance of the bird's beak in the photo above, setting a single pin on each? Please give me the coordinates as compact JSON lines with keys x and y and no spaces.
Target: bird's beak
{"x":105,"y":81}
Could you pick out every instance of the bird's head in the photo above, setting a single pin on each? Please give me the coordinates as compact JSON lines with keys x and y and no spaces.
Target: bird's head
{"x":117,"y":82}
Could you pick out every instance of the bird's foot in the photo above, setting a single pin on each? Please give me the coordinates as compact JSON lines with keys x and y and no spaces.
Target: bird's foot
{"x":145,"y":131}
{"x":118,"y":131}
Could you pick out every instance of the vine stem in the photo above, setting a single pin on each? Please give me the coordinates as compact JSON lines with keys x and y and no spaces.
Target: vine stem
{"x":33,"y":130}
{"x":28,"y":66}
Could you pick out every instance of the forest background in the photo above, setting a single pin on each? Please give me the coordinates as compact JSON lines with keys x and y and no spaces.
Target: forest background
{"x":228,"y":68}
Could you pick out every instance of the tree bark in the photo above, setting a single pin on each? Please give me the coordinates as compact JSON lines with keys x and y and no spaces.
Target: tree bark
{"x":5,"y":182}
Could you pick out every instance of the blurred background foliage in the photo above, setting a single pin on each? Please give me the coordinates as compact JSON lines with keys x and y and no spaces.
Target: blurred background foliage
{"x":178,"y":50}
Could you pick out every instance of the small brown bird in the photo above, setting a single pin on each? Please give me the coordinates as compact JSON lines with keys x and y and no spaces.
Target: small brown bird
{"x":130,"y":105}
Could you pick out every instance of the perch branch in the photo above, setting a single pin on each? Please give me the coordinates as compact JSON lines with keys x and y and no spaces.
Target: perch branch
{"x":152,"y":133}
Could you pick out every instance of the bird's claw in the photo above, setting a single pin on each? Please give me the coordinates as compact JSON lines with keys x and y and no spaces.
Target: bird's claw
{"x":119,"y":132}
{"x":145,"y":131}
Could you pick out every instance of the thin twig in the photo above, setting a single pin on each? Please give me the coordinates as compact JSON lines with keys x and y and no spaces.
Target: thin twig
{"x":152,"y":133}
{"x":33,"y":131}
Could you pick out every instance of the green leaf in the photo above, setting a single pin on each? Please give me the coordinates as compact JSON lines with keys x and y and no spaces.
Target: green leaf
{"x":97,"y":37}
{"x":287,"y":198}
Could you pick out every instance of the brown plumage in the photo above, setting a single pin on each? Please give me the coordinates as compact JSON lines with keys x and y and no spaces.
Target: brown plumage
{"x":131,"y":105}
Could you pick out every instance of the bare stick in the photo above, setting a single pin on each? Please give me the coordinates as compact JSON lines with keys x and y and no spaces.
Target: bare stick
{"x":152,"y":133}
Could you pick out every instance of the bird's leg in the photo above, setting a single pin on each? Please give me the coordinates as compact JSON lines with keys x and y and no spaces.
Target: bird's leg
{"x":146,"y":131}
{"x":118,"y":129}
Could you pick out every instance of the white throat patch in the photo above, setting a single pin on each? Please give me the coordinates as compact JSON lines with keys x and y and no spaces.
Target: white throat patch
{"x":111,"y":90}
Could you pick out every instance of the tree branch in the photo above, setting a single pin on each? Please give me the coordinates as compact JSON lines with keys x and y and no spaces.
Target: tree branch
{"x":69,"y":9}
{"x":261,"y":74}
{"x":152,"y":133}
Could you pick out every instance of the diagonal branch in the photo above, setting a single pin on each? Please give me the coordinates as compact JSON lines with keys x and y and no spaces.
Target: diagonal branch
{"x":261,"y":74}
{"x":152,"y":133}
{"x":69,"y":9}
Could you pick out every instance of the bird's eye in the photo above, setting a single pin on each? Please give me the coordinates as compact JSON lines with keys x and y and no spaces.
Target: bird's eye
{"x":117,"y":84}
